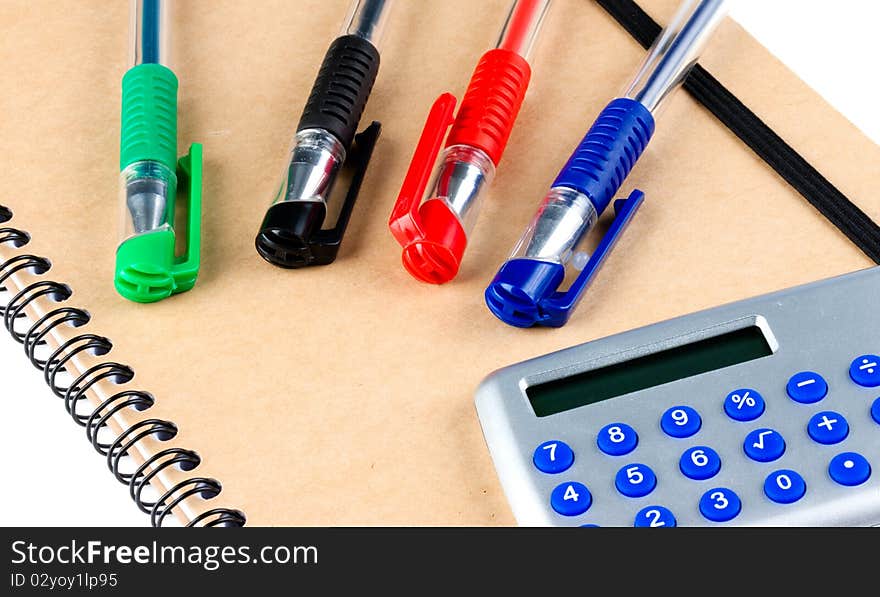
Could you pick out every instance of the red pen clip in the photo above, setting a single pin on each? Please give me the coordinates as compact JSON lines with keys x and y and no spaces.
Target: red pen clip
{"x":405,"y":223}
{"x":432,"y":238}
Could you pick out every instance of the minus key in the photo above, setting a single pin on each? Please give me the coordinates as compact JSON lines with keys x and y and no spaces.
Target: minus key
{"x":807,"y":387}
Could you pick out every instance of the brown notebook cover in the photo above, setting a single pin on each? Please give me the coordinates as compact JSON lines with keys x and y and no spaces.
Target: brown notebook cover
{"x":343,"y":395}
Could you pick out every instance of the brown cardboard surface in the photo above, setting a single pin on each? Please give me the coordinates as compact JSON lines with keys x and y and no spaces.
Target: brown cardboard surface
{"x":344,"y":395}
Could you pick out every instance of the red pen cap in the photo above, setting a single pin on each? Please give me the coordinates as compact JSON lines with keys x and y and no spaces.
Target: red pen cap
{"x":433,"y":236}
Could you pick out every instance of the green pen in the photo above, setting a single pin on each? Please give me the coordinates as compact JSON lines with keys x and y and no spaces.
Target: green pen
{"x":148,"y":269}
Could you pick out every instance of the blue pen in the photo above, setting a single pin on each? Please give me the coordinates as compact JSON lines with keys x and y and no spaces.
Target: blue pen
{"x":525,"y":291}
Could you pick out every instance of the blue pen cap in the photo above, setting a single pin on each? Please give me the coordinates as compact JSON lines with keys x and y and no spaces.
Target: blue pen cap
{"x":526,"y":290}
{"x":519,"y":289}
{"x":551,"y":245}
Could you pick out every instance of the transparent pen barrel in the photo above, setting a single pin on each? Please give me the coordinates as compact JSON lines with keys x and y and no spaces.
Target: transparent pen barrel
{"x":147,"y":193}
{"x":461,"y":176}
{"x":557,"y":232}
{"x":522,"y":26}
{"x":312,"y":167}
{"x":367,"y":19}
{"x":149,"y":33}
{"x":675,"y":51}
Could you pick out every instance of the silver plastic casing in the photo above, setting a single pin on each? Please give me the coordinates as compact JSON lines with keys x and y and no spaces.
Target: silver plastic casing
{"x":558,"y":230}
{"x":463,"y":173}
{"x":147,"y":193}
{"x":311,"y":169}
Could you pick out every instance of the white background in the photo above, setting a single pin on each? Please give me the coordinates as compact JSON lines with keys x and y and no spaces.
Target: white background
{"x":52,"y":476}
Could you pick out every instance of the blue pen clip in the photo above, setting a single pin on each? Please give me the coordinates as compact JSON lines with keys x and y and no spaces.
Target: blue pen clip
{"x":525,"y":291}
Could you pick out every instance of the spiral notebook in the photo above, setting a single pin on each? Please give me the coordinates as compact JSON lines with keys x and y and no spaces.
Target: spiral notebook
{"x":343,"y":395}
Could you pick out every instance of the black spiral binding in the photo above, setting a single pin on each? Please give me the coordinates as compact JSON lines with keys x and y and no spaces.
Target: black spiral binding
{"x":95,"y":421}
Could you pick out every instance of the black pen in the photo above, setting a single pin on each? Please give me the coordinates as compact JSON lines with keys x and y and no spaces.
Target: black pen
{"x":294,"y":233}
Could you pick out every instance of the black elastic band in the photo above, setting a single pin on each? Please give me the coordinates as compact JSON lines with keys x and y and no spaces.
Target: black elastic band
{"x":769,"y":146}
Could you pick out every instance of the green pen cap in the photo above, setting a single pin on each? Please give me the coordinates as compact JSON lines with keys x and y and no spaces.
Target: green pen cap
{"x":148,"y":268}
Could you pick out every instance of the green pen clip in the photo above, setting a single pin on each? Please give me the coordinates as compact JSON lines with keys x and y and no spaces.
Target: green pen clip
{"x":147,"y":269}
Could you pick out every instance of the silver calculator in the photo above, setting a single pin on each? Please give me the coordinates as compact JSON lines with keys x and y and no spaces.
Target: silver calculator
{"x":763,"y":412}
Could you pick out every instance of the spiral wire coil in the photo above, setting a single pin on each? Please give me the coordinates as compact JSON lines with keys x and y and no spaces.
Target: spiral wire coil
{"x":116,"y":449}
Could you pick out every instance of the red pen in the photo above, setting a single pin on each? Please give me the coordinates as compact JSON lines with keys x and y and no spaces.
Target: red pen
{"x":433,"y":231}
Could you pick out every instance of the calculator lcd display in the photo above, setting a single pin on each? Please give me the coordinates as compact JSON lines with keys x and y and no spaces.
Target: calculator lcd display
{"x":648,"y":371}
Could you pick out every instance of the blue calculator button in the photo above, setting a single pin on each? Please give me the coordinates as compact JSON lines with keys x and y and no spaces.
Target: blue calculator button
{"x":720,"y":504}
{"x":553,"y":457}
{"x":865,"y":370}
{"x":784,"y":486}
{"x":828,"y":427}
{"x":680,"y":421}
{"x":635,"y":480}
{"x":744,"y":405}
{"x":654,"y":516}
{"x":571,"y":499}
{"x":807,"y":387}
{"x":764,"y":445}
{"x":700,"y":463}
{"x":617,"y":439}
{"x":849,"y":468}
{"x":875,"y":411}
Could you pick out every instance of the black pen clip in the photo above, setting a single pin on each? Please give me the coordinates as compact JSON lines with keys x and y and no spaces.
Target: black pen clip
{"x":325,"y":244}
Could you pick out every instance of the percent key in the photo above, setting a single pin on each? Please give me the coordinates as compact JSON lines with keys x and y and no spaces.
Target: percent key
{"x":744,"y":405}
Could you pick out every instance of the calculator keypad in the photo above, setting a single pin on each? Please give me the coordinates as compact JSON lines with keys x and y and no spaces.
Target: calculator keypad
{"x":698,"y":463}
